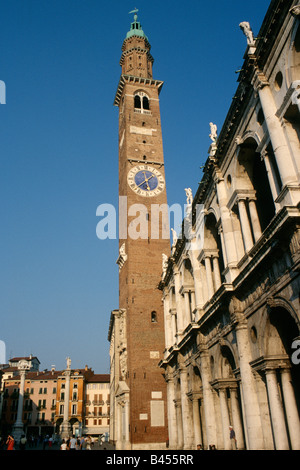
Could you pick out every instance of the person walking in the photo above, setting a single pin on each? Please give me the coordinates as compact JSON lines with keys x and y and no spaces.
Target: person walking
{"x":63,"y":445}
{"x":232,"y":438}
{"x":73,"y":443}
{"x":10,"y":442}
{"x":23,"y":441}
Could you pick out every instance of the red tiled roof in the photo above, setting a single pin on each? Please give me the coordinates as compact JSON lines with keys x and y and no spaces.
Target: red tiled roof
{"x":99,"y":378}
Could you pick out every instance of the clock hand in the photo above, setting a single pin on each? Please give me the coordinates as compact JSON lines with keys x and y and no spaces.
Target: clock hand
{"x":146,"y":181}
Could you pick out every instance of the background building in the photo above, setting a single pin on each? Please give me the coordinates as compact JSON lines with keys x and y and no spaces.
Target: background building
{"x":231,"y":286}
{"x":45,"y":398}
{"x":97,"y":405}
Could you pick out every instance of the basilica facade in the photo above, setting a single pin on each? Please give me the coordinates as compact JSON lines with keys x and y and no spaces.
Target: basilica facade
{"x":231,"y":285}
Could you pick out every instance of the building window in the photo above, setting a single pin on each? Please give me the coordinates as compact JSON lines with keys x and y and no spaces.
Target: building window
{"x":141,"y":103}
{"x":153,"y":317}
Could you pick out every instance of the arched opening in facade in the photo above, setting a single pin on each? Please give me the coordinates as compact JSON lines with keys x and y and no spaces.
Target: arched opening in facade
{"x":253,"y":176}
{"x":230,"y":400}
{"x":188,"y":290}
{"x":198,"y":409}
{"x":212,"y":255}
{"x":282,"y":379}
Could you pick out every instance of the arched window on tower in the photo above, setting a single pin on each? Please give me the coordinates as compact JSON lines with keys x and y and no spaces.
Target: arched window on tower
{"x":141,"y":103}
{"x":137,"y":102}
{"x":146,"y":103}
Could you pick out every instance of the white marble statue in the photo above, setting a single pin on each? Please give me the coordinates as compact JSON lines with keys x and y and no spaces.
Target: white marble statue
{"x":68,"y":359}
{"x":213,"y":132}
{"x":164,"y":263}
{"x":174,"y":237}
{"x":189,"y":196}
{"x":246,"y":28}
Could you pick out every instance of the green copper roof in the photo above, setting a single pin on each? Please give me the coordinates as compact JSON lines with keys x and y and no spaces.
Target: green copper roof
{"x":136,"y":28}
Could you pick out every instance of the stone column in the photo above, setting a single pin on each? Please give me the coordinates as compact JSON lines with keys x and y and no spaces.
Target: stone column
{"x":199,"y":301}
{"x":204,"y":283}
{"x":198,"y":288}
{"x":126,"y":423}
{"x":245,"y":225}
{"x":224,"y":251}
{"x":250,"y":399}
{"x":172,"y":418}
{"x":179,"y":425}
{"x":225,"y":418}
{"x":256,"y":228}
{"x":187,"y":424}
{"x":209,"y":277}
{"x":276,"y":410}
{"x":174,"y":329}
{"x":188,"y":315}
{"x":180,"y":324}
{"x":193,"y":303}
{"x":18,"y":427}
{"x":230,"y":253}
{"x":236,"y":418}
{"x":168,"y":326}
{"x":65,"y":426}
{"x":284,"y":161}
{"x":217,"y":274}
{"x":275,"y":189}
{"x":196,"y":421}
{"x":208,"y":399}
{"x":291,"y":408}
{"x":119,"y":427}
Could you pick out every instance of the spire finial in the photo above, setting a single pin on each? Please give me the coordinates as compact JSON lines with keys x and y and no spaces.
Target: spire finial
{"x":135,"y":13}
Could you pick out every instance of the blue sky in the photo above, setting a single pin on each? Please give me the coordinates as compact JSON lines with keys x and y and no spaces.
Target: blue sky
{"x":59,"y":60}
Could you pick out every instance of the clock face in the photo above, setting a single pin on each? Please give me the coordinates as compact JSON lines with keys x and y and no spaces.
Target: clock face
{"x":146,"y":181}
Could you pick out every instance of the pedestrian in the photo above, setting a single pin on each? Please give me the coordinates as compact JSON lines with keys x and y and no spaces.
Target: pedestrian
{"x":199,"y":447}
{"x":64,"y":445}
{"x":83,"y":443}
{"x":10,"y":442}
{"x":73,"y":443}
{"x":50,"y":442}
{"x":23,"y":441}
{"x":45,"y":442}
{"x":89,"y":443}
{"x":232,"y":438}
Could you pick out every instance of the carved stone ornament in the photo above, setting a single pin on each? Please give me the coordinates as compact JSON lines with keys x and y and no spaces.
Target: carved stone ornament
{"x":296,"y":93}
{"x":236,"y":310}
{"x":295,"y":11}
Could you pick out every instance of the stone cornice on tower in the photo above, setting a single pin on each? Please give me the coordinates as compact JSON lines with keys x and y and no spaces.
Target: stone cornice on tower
{"x":134,"y":80}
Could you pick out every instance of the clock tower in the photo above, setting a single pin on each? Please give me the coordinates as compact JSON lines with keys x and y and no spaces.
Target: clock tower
{"x":140,"y":388}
